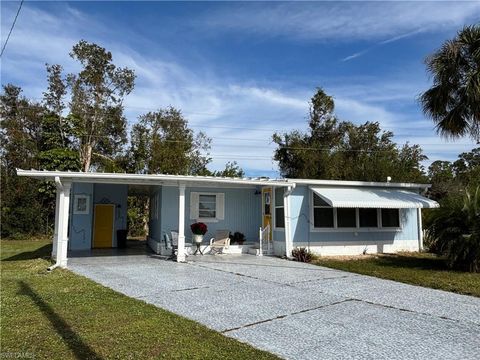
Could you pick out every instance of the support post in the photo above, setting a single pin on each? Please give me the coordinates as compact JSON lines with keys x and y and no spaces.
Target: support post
{"x":57,"y":219}
{"x":288,"y":231}
{"x":181,"y":223}
{"x":63,"y":215}
{"x":420,"y":230}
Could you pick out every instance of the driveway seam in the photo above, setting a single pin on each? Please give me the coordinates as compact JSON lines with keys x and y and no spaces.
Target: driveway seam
{"x":286,"y":315}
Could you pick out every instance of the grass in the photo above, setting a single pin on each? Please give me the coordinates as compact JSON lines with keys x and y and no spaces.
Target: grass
{"x":421,"y":269}
{"x":65,"y":316}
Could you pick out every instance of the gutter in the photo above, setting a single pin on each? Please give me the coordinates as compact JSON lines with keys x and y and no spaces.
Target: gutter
{"x":57,"y":262}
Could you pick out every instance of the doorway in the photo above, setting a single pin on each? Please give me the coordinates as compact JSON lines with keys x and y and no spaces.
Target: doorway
{"x":103,"y":225}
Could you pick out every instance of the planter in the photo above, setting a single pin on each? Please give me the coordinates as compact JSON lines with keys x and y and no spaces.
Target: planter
{"x":197,"y":238}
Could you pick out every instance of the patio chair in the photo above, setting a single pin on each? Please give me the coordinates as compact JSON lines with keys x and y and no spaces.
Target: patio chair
{"x":220,"y":242}
{"x":174,"y":238}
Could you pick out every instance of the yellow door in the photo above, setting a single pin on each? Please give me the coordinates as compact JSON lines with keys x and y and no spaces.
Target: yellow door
{"x":103,"y":225}
{"x":267,"y":208}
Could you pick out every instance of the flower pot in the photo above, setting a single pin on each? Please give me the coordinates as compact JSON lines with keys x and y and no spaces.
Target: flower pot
{"x":197,"y":238}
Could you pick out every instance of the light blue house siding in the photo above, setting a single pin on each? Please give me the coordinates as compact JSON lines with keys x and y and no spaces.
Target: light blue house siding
{"x":81,"y":225}
{"x":303,"y":235}
{"x":242,"y":211}
{"x":80,"y":232}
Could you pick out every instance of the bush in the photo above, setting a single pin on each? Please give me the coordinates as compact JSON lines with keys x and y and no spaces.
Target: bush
{"x":237,"y":238}
{"x":454,"y":231}
{"x":303,"y":255}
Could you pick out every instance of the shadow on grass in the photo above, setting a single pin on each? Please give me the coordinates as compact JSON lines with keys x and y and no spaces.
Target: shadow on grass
{"x":411,"y":262}
{"x":70,"y":337}
{"x":42,"y":252}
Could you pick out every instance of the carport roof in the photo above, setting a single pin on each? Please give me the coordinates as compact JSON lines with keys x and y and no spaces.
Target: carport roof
{"x":191,"y":180}
{"x":150,"y":179}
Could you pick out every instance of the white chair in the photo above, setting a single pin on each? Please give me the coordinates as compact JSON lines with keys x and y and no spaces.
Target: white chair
{"x":220,"y":242}
{"x":174,"y":235}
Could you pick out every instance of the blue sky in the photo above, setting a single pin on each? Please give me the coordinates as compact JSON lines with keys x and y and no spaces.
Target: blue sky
{"x":240,"y":71}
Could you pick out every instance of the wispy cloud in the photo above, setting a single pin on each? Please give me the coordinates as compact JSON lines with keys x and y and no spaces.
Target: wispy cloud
{"x":384,"y":42}
{"x":356,"y":55}
{"x":239,"y":114}
{"x":342,"y":20}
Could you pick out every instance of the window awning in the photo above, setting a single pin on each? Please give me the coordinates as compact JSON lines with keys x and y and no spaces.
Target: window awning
{"x":373,"y":198}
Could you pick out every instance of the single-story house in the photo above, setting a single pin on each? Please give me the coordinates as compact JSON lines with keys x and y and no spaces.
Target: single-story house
{"x":275,"y":215}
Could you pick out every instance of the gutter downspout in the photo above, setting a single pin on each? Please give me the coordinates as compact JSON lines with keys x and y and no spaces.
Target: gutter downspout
{"x":59,"y":185}
{"x":288,"y":229}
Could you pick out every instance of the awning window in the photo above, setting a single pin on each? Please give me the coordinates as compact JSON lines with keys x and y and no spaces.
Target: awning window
{"x":373,"y":198}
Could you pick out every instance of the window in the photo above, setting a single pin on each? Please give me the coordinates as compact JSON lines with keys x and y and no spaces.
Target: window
{"x":207,"y":207}
{"x":81,"y":204}
{"x":279,"y":210}
{"x":368,"y":217}
{"x":322,"y":213}
{"x":390,"y":218}
{"x":346,"y":218}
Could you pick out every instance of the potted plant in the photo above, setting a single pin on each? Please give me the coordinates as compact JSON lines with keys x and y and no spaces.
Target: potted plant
{"x":198,"y":230}
{"x":237,"y":238}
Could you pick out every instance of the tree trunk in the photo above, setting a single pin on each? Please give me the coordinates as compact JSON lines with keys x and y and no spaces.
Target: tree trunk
{"x":87,"y":157}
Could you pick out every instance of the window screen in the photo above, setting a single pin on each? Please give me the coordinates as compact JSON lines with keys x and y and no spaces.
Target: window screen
{"x":368,"y":217}
{"x":346,"y":218}
{"x":390,"y":218}
{"x":207,"y":206}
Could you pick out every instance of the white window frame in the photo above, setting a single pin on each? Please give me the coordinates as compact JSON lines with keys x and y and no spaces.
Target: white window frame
{"x":274,"y":212}
{"x":335,"y":227}
{"x":76,"y":198}
{"x":219,"y":202}
{"x":380,"y":222}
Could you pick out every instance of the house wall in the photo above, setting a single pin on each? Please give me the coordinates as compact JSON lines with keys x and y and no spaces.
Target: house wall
{"x":339,"y":242}
{"x":242,"y":211}
{"x":155,"y":220}
{"x":80,"y":232}
{"x":81,"y":226}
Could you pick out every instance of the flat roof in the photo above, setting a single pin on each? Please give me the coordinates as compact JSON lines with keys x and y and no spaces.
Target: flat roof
{"x":197,"y":180}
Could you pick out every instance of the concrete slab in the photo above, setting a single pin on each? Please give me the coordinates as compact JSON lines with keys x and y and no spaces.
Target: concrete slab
{"x":296,"y":310}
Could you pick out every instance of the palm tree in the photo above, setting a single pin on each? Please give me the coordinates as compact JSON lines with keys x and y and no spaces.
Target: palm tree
{"x":453,"y":102}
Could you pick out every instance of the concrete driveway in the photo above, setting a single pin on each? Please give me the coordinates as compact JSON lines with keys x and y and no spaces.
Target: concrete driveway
{"x":299,"y":311}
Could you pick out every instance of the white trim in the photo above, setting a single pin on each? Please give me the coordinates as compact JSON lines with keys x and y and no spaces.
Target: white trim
{"x":181,"y":224}
{"x":76,"y":198}
{"x":287,"y":214}
{"x":57,"y":221}
{"x":420,"y":230}
{"x":64,"y":214}
{"x":219,"y":206}
{"x":175,"y":180}
{"x":154,"y":179}
{"x":358,"y":183}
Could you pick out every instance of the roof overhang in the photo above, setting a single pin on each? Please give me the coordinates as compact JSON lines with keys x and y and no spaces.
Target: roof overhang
{"x":385,"y":198}
{"x":314,"y":182}
{"x":151,"y":179}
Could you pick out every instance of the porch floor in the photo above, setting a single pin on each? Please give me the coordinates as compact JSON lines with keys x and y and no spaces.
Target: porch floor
{"x":296,"y":310}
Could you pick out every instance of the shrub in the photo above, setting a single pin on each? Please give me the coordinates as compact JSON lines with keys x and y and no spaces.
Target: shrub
{"x":454,"y":231}
{"x":237,"y":238}
{"x":302,"y":254}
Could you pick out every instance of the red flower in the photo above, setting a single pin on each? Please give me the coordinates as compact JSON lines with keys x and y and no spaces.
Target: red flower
{"x":199,"y":228}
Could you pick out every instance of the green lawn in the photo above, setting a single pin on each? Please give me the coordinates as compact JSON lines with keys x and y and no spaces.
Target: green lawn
{"x":421,"y":269}
{"x":60,"y":315}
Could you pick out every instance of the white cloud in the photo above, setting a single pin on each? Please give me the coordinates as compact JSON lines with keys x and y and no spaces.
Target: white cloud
{"x":240,"y":116}
{"x":343,"y":20}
